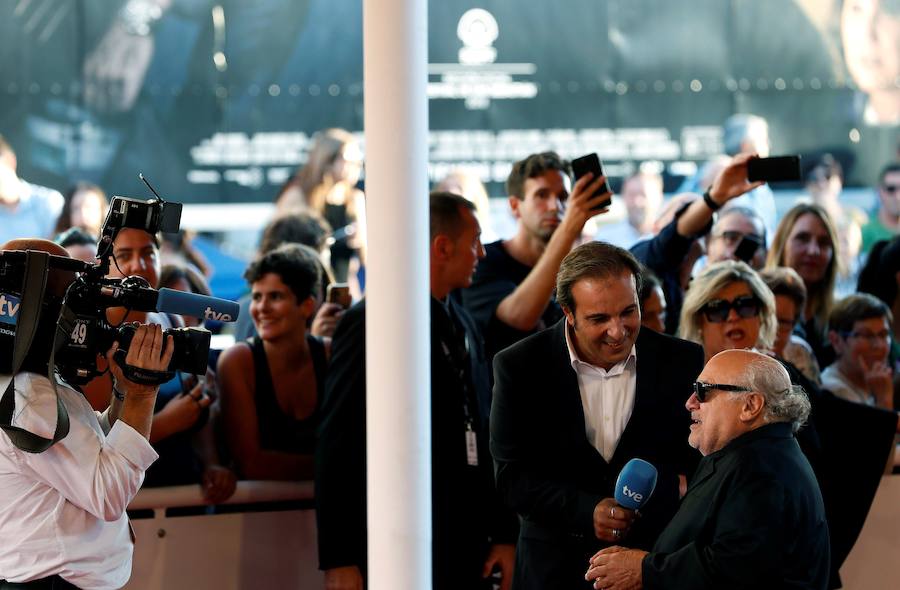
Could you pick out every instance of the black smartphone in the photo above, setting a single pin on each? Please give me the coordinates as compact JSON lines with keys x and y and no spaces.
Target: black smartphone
{"x":777,"y":169}
{"x":746,"y":248}
{"x":338,"y":293}
{"x":591,"y":163}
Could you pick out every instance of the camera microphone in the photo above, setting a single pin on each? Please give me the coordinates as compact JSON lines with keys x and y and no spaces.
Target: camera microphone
{"x":198,"y":306}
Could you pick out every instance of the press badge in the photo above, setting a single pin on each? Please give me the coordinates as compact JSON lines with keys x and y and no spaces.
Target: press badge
{"x":471,"y":447}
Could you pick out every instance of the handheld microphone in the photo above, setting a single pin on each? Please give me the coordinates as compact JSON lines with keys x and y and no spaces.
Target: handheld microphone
{"x":635,"y":484}
{"x":198,"y":306}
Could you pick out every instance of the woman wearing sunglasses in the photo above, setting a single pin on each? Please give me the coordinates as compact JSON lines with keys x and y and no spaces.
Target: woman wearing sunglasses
{"x":727,"y":307}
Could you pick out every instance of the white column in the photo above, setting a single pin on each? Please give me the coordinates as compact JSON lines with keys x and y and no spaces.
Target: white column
{"x":397,"y":293}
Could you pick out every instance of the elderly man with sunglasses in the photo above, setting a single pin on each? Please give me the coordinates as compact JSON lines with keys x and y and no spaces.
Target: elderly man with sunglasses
{"x":753,"y":515}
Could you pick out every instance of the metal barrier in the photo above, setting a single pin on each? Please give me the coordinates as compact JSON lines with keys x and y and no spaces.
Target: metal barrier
{"x":268,"y":542}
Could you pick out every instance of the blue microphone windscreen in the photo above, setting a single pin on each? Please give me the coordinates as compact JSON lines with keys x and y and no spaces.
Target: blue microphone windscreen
{"x":198,"y":306}
{"x":635,"y":484}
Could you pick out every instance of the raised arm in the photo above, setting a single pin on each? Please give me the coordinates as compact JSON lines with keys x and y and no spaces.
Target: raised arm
{"x":522,"y":309}
{"x":729,"y":184}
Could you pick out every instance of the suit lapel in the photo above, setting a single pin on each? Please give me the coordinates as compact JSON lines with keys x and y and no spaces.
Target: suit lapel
{"x":705,"y":470}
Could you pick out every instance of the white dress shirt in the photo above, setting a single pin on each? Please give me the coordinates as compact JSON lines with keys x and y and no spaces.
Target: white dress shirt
{"x":607,"y":398}
{"x":63,"y":510}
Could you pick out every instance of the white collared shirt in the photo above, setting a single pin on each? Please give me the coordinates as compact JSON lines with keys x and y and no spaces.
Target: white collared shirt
{"x":607,"y":398}
{"x":63,"y":510}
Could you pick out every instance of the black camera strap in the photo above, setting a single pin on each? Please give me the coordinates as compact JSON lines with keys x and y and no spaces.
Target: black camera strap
{"x":37,"y":266}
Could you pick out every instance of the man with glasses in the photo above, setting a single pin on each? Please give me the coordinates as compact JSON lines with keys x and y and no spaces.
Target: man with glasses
{"x":753,"y":515}
{"x":738,"y":234}
{"x":885,"y":223}
{"x":859,"y":329}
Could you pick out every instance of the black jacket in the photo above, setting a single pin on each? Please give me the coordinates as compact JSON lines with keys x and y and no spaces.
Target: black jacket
{"x":466,"y":512}
{"x":753,"y":517}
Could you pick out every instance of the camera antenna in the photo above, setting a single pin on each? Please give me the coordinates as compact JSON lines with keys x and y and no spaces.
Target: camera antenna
{"x":152,"y":190}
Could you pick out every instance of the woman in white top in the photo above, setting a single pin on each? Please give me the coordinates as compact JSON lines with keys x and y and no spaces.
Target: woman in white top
{"x":859,"y":329}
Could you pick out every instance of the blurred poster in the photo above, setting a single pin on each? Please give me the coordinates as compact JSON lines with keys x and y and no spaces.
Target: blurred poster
{"x":215,"y":100}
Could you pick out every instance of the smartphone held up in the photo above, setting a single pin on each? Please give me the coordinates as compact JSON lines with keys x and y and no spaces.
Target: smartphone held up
{"x":591,"y":163}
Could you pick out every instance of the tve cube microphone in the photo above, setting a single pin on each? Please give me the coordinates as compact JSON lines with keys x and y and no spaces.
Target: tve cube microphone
{"x":198,"y":306}
{"x":636,"y":483}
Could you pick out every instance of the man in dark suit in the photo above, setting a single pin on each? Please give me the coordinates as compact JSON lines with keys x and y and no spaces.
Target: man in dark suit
{"x":473,"y":533}
{"x":572,"y":404}
{"x":753,"y":516}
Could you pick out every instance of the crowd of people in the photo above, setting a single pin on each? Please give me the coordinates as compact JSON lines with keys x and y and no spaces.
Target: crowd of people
{"x":598,"y":341}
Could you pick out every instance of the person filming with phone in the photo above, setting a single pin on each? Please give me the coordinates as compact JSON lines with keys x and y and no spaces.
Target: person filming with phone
{"x":511,"y":295}
{"x":62,"y":519}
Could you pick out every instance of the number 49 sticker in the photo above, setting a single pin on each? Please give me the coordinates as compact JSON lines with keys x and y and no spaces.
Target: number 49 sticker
{"x":79,"y":333}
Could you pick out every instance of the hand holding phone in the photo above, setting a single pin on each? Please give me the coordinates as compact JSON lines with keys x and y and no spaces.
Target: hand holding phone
{"x":776,"y":169}
{"x":746,"y":248}
{"x":591,"y":163}
{"x":339,"y":293}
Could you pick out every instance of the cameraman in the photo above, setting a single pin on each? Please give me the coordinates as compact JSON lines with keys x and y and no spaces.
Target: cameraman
{"x":62,"y":519}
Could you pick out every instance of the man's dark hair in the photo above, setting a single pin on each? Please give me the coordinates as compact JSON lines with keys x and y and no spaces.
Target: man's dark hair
{"x":445,"y":210}
{"x":649,"y":282}
{"x":75,"y":236}
{"x":532,"y":166}
{"x":889,"y":169}
{"x":594,"y":260}
{"x":296,"y":227}
{"x":296,"y":265}
{"x":856,"y":307}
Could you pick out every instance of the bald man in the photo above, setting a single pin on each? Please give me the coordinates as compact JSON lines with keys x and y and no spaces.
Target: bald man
{"x":62,"y":519}
{"x":753,"y":515}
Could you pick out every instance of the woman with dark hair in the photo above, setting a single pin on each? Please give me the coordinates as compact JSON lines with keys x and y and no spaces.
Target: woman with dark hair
{"x":272,"y":384}
{"x":327,"y":185}
{"x":806,"y":240}
{"x":85,"y":206}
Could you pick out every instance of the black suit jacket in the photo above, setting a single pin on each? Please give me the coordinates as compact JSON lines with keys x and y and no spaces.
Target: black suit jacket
{"x":466,"y":512}
{"x":548,"y":471}
{"x":753,"y":517}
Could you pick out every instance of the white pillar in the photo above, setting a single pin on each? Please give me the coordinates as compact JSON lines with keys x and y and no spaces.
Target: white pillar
{"x":397,"y":294}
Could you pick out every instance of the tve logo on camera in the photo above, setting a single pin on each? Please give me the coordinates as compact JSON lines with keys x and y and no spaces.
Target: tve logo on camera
{"x":9,"y":308}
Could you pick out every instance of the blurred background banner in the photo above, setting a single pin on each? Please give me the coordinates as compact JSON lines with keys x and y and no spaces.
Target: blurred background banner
{"x":216,"y":100}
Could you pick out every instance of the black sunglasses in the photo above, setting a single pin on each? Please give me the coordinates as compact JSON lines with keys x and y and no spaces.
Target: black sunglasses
{"x":701,"y":389}
{"x":717,"y":310}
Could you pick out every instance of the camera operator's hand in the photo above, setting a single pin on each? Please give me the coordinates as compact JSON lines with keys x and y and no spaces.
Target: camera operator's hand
{"x":732,"y":181}
{"x":580,"y":204}
{"x":146,"y":351}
